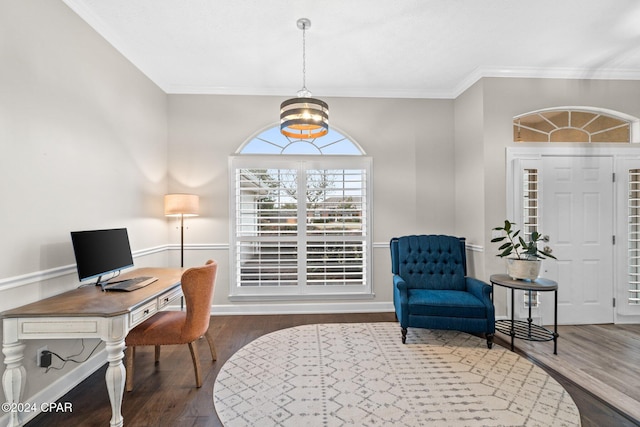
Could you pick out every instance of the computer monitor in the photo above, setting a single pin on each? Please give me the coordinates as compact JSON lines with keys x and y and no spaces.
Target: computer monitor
{"x":100,"y":252}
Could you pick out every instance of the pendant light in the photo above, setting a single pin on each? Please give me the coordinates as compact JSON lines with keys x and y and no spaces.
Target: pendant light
{"x":304,"y":117}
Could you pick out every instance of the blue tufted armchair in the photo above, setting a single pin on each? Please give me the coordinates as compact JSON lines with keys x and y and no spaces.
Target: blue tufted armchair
{"x":431,"y":288}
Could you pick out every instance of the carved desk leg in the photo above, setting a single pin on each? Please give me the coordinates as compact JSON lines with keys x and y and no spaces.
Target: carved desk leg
{"x":115,"y":378}
{"x":116,"y":373}
{"x":14,"y":377}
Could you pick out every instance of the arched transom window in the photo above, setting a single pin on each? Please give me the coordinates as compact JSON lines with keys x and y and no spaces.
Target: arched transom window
{"x":300,"y":217}
{"x":571,"y":125}
{"x":271,"y":141}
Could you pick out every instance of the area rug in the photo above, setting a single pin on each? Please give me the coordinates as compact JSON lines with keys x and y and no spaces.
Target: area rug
{"x":361,"y":374}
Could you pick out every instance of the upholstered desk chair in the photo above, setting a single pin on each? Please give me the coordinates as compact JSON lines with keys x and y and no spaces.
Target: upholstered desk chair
{"x":431,"y":288}
{"x":179,"y":327}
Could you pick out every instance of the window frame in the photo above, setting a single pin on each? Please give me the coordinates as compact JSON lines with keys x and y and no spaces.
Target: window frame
{"x":632,"y":124}
{"x":302,"y":290}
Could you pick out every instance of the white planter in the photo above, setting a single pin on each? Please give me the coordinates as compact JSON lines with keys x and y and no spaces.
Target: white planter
{"x":523,"y":268}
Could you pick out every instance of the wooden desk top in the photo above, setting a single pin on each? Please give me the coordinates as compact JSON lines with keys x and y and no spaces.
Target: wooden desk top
{"x":91,"y":301}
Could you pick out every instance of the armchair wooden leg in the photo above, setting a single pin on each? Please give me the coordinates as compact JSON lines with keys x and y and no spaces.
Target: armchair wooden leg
{"x":404,"y":335}
{"x":130,"y":353}
{"x":490,"y":340}
{"x":211,"y":346}
{"x":196,"y":363}
{"x":157,"y":354}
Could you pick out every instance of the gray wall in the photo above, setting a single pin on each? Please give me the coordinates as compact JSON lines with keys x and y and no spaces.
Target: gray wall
{"x":83,"y":140}
{"x":410,"y":141}
{"x":469,"y":174}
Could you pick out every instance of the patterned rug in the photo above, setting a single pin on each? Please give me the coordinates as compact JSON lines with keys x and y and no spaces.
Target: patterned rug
{"x":361,"y":374}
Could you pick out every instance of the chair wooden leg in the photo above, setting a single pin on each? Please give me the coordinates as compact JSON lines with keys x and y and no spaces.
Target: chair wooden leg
{"x":157,"y":354}
{"x":130,"y":353}
{"x":196,"y":363}
{"x":212,"y":347}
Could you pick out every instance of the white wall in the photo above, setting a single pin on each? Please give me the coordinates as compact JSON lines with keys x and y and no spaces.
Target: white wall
{"x":83,"y":145}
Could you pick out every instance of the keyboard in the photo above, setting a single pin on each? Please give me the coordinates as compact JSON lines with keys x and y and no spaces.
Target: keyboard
{"x":129,"y":285}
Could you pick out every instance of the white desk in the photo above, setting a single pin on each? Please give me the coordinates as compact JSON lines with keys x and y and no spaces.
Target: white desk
{"x":85,"y":312}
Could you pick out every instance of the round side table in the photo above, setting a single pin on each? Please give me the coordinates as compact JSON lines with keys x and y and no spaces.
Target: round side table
{"x":519,"y":328}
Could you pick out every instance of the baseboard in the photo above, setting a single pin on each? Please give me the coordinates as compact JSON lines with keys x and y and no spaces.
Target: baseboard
{"x":303,"y":308}
{"x":60,"y":387}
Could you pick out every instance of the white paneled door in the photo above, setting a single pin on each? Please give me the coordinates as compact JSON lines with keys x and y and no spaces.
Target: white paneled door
{"x":577,"y":215}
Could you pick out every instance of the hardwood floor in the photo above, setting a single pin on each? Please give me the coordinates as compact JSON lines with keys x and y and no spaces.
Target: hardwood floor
{"x":165,"y":394}
{"x":603,"y":359}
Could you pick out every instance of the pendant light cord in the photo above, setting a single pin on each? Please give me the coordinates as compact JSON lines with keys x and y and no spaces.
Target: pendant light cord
{"x":304,"y":58}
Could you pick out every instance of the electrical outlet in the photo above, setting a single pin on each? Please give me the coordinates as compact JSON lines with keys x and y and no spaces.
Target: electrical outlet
{"x":39,"y":355}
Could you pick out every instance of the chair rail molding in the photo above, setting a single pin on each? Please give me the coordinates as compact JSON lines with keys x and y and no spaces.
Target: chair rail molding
{"x":64,"y":270}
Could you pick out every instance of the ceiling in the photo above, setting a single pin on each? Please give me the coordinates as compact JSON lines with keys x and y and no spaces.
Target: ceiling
{"x":370,"y":48}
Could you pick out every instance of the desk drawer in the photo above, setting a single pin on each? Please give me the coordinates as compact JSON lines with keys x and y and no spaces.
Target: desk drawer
{"x":167,"y":298}
{"x":143,"y":312}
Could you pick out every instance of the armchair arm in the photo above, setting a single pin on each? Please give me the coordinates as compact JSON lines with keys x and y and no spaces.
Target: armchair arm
{"x":399,"y":283}
{"x":482,"y":291}
{"x":401,"y":300}
{"x":479,"y":289}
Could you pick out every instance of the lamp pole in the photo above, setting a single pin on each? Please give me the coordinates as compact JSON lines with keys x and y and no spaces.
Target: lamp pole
{"x":181,"y":240}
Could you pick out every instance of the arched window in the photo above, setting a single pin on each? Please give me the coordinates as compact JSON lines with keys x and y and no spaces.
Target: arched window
{"x":574,"y":124}
{"x":271,"y":141}
{"x":300,"y":217}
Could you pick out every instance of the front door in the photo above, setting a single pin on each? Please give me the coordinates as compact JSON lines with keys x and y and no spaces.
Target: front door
{"x":577,"y":215}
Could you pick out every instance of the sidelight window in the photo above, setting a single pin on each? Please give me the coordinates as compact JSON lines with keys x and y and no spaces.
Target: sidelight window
{"x":634,"y":236}
{"x":530,"y":218}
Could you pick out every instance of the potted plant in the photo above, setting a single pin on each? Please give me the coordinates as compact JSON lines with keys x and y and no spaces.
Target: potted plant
{"x":523,"y":258}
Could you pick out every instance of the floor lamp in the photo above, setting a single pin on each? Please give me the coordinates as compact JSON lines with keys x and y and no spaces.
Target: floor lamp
{"x":181,"y":205}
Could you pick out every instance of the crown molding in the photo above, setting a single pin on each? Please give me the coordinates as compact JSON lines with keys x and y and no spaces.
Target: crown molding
{"x":542,"y":73}
{"x":174,"y":89}
{"x":452,"y":93}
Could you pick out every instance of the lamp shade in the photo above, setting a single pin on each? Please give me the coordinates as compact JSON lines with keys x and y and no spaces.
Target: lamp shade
{"x":181,"y":204}
{"x":304,"y":118}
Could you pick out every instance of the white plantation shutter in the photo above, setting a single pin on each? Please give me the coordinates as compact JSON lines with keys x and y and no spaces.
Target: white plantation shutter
{"x":627,"y":239}
{"x":529,"y":202}
{"x":336,"y":227}
{"x":634,"y":236}
{"x":301,"y":225}
{"x":530,"y":213}
{"x":266,"y":227}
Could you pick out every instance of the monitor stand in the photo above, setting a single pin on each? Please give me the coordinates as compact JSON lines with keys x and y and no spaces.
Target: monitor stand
{"x":102,"y":283}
